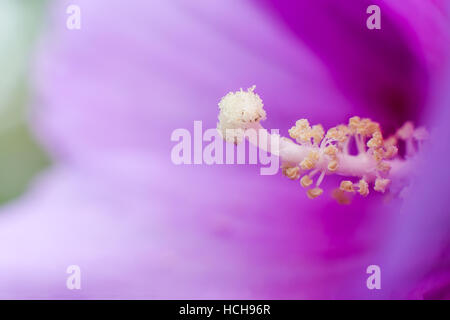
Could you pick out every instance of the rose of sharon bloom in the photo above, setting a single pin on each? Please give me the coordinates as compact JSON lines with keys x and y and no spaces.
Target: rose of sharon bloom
{"x":107,"y":98}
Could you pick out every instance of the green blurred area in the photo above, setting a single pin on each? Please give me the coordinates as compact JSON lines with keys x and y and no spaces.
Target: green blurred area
{"x":21,"y":158}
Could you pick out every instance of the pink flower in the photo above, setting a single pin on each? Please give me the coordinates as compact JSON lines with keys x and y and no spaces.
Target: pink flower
{"x":108,"y":97}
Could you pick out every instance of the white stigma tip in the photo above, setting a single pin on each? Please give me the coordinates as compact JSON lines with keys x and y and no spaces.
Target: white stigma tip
{"x":239,"y":110}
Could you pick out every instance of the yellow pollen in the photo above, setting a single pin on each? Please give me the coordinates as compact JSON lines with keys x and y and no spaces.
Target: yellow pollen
{"x":340,"y":196}
{"x":314,"y":193}
{"x":347,"y":186}
{"x":354,"y":123}
{"x":343,"y":128}
{"x":333,"y":165}
{"x":317,"y":133}
{"x":363,"y":188}
{"x":370,"y":127}
{"x":313,"y":155}
{"x":292,"y":172}
{"x":391,"y":151}
{"x":378,"y":154}
{"x":306,"y":181}
{"x":303,"y":124}
{"x":376,"y":141}
{"x":364,"y":127}
{"x":339,"y":133}
{"x":332,"y":133}
{"x":301,"y":132}
{"x":331,"y":151}
{"x":391,"y":141}
{"x":307,"y":164}
{"x":406,"y":131}
{"x":383,"y":167}
{"x":310,"y":161}
{"x":381,"y":184}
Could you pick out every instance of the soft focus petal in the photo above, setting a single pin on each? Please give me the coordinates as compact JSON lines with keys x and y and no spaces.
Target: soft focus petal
{"x":134,"y":73}
{"x":387,"y":73}
{"x":162,"y":243}
{"x":419,"y":250}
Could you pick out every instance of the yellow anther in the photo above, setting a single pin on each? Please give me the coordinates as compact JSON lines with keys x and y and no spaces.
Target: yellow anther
{"x":347,"y":186}
{"x":365,"y":127}
{"x":307,"y":164}
{"x":295,"y":132}
{"x":369,"y":127}
{"x":339,"y":133}
{"x":406,"y":131}
{"x":317,"y":133}
{"x":310,"y":161}
{"x":340,"y":196}
{"x":381,"y":184}
{"x":303,"y":124}
{"x":331,"y":151}
{"x":313,"y":155}
{"x":391,"y":151}
{"x":314,"y":193}
{"x":383,"y":167}
{"x":363,"y":188}
{"x":376,"y":141}
{"x":333,"y":165}
{"x":391,"y":141}
{"x":378,"y":154}
{"x":354,"y":123}
{"x":306,"y":181}
{"x":301,"y":132}
{"x":332,"y":133}
{"x":291,"y":172}
{"x":343,"y":128}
